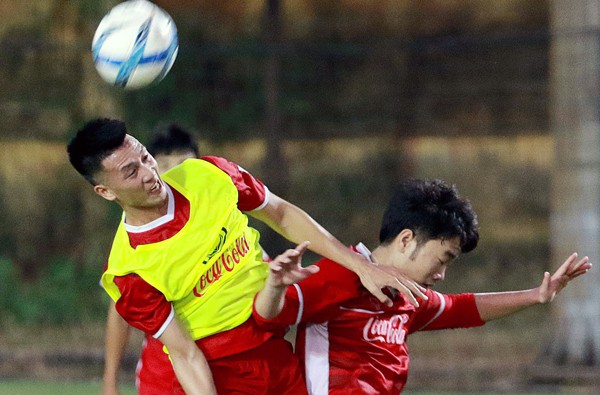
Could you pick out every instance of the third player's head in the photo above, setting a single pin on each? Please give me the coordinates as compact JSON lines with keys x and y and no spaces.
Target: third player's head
{"x":172,"y":145}
{"x":426,"y":225}
{"x":117,"y":165}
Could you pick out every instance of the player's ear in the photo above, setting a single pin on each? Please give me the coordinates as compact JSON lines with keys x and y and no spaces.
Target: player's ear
{"x":404,"y":238}
{"x":105,"y":192}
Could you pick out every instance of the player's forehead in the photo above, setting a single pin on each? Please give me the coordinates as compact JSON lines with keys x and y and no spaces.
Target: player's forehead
{"x":451,"y":247}
{"x":129,"y":149}
{"x":448,"y":247}
{"x":132,"y":143}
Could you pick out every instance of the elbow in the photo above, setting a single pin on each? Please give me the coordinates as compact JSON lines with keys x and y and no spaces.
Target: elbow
{"x":262,"y":314}
{"x":266,"y":319}
{"x":185,"y":355}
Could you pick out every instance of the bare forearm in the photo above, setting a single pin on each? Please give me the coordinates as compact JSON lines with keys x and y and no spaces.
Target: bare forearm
{"x":189,"y":363}
{"x":501,"y":304}
{"x":497,"y":305}
{"x":269,"y":302}
{"x":193,"y":373}
{"x":116,"y":338}
{"x":297,"y":226}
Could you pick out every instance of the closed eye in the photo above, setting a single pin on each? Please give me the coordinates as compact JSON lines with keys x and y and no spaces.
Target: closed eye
{"x":130,"y":170}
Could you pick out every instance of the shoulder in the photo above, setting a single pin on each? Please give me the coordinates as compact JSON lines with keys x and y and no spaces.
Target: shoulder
{"x":435,"y":301}
{"x":133,"y":283}
{"x":238,"y":174}
{"x":192,"y":167}
{"x":252,"y":193}
{"x":204,"y":163}
{"x":332,"y":277}
{"x":225,"y":165}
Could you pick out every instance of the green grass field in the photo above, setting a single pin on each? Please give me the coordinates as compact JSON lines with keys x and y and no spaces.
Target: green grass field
{"x":26,"y":387}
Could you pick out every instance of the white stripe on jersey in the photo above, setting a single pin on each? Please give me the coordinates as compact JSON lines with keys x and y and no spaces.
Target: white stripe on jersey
{"x":267,"y":192}
{"x":439,"y":312}
{"x":165,"y":324}
{"x":266,"y":201}
{"x":361,"y":310}
{"x":316,"y":360}
{"x":300,"y":304}
{"x":140,"y":366}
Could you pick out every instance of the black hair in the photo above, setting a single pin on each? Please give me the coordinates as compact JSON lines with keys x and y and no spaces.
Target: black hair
{"x":432,"y":209}
{"x":172,"y":138}
{"x":95,"y":141}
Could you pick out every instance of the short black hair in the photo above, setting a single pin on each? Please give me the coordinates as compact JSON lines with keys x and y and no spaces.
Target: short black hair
{"x":432,"y":209}
{"x":95,"y":141}
{"x":172,"y":138}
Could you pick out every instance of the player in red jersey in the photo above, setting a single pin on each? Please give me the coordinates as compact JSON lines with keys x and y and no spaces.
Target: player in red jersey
{"x":170,"y":146}
{"x":185,"y":266}
{"x":349,"y":342}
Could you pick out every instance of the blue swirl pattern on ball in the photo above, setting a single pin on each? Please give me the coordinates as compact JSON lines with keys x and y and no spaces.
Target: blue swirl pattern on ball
{"x":135,"y":45}
{"x":136,"y":54}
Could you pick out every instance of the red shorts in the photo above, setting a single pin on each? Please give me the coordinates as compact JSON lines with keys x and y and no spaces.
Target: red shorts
{"x":154,"y":374}
{"x":270,"y":369}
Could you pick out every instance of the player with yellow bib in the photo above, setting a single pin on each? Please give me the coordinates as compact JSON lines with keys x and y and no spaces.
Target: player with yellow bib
{"x":185,"y":266}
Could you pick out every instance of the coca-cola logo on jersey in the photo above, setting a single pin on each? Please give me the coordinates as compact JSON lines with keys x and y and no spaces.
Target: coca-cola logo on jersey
{"x":225,"y":263}
{"x":390,"y":330}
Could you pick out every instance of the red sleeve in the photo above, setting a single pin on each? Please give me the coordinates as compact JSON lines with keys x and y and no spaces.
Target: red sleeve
{"x":323,"y":292}
{"x":445,"y":312}
{"x":252,"y":192}
{"x":141,"y":305}
{"x":317,"y":298}
{"x":287,"y":316}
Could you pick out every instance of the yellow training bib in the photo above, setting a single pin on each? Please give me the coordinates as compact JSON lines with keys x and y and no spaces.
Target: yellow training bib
{"x":212,"y":268}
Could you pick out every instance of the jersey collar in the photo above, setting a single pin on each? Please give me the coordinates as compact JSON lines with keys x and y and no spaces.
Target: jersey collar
{"x":364,"y":251}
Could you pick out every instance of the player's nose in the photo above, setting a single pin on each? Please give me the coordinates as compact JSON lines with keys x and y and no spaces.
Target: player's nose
{"x":149,"y":173}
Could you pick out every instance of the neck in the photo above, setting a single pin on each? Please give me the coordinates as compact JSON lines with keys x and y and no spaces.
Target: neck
{"x":387,"y":255}
{"x":381,"y":255}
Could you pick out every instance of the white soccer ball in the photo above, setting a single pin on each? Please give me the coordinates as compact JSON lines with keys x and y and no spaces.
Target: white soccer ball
{"x":135,"y":44}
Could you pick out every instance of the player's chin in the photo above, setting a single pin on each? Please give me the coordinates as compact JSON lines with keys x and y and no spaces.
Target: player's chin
{"x":155,"y":200}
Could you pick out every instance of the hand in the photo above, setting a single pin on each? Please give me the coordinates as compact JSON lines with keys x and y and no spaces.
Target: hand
{"x":570,"y":269}
{"x":286,"y":269}
{"x":375,"y":278}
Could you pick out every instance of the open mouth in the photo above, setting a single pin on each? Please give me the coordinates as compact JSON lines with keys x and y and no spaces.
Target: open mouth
{"x":156,"y":187}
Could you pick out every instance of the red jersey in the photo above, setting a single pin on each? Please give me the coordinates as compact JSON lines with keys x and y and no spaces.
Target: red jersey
{"x":145,"y":308}
{"x":349,"y":342}
{"x":154,"y":373}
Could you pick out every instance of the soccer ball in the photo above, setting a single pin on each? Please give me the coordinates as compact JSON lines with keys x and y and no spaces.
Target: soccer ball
{"x":135,"y":44}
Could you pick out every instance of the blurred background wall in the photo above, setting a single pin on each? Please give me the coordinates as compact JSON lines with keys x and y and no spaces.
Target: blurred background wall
{"x":331,"y":103}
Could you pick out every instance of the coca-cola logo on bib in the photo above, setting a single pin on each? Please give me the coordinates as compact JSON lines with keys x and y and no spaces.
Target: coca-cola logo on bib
{"x":227,"y":262}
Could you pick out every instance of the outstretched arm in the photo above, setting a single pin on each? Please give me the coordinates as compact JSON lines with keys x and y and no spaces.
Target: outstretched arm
{"x":115,"y":342}
{"x":296,"y":225}
{"x":501,"y":304}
